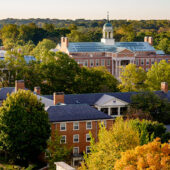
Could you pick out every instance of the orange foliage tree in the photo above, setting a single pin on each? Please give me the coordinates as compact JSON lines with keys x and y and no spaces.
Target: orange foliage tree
{"x":152,"y":156}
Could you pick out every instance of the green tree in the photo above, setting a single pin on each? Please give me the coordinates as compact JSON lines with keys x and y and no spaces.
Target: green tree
{"x":42,"y":48}
{"x":59,"y":74}
{"x":107,"y":150}
{"x":148,"y":102}
{"x":57,"y":151}
{"x":164,"y":45}
{"x":159,"y":72}
{"x":95,"y":80}
{"x":132,"y":78}
{"x":24,"y":127}
{"x":149,"y":130}
{"x":9,"y":35}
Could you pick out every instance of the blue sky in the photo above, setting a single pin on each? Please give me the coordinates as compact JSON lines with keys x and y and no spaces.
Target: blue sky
{"x":89,"y":9}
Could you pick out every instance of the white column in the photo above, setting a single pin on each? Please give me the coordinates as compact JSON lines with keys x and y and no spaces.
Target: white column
{"x":104,"y":35}
{"x":119,"y":111}
{"x":109,"y":111}
{"x":111,"y":35}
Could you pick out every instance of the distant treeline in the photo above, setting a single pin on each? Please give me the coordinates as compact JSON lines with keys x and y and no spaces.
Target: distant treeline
{"x":142,"y":24}
{"x":14,"y":32}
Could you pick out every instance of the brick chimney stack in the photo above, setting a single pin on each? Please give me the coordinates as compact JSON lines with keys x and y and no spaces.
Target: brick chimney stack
{"x":64,"y":42}
{"x":164,"y":87}
{"x":58,"y":97}
{"x":146,"y":39}
{"x":150,"y":40}
{"x":19,"y":84}
{"x":37,"y":90}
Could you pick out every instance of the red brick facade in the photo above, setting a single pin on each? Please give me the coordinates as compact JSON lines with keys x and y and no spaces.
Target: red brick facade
{"x":82,"y":131}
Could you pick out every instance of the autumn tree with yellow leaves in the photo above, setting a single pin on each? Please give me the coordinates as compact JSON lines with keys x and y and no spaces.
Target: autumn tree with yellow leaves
{"x":152,"y":156}
{"x":104,"y":153}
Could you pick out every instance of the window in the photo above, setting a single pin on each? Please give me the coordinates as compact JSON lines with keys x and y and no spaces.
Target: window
{"x":97,"y":62}
{"x":88,"y":137}
{"x":103,"y":62}
{"x":91,"y":63}
{"x":62,"y":126}
{"x":76,"y":126}
{"x":108,"y":62}
{"x":88,"y":125}
{"x":147,"y":61}
{"x":75,"y":150}
{"x":142,"y":61}
{"x":87,"y":149}
{"x":75,"y":138}
{"x":63,"y":139}
{"x":137,"y":62}
{"x":152,"y":61}
{"x":103,"y":123}
{"x":86,"y":63}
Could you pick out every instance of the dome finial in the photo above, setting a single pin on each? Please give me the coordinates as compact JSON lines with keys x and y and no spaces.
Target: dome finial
{"x":107,"y":15}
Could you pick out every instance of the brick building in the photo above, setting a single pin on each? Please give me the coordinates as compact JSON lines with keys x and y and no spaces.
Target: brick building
{"x":112,"y":54}
{"x":74,"y":122}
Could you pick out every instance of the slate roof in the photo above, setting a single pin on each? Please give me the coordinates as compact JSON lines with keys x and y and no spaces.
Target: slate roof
{"x":101,"y":47}
{"x":92,"y":98}
{"x":4,"y":91}
{"x":75,"y":112}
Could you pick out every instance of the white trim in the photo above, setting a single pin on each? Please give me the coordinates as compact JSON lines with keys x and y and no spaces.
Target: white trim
{"x":78,"y":138}
{"x":73,"y":125}
{"x":91,"y":125}
{"x":65,"y":139}
{"x":65,"y":126}
{"x":87,"y":137}
{"x":77,"y":148}
{"x":86,"y":148}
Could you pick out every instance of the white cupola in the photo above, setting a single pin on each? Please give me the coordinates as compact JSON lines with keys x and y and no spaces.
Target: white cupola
{"x":108,"y":33}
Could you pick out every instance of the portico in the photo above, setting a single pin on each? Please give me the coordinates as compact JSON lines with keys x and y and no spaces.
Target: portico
{"x":111,"y":106}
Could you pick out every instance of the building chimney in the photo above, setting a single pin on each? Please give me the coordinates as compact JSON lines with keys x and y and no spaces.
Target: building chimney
{"x":58,"y":98}
{"x":150,"y":40}
{"x":164,"y":87}
{"x":37,"y":90}
{"x":19,"y":84}
{"x":146,"y":39}
{"x":64,"y":42}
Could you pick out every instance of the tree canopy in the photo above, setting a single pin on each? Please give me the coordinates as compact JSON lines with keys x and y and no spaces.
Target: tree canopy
{"x":153,"y":155}
{"x":132,"y":78}
{"x":148,"y":102}
{"x":107,"y":150}
{"x":24,"y":127}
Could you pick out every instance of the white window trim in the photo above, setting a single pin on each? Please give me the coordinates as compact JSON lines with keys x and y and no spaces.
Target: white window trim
{"x":65,"y":127}
{"x":86,"y":148}
{"x":103,"y":62}
{"x":86,"y":125}
{"x":65,"y":139}
{"x":104,"y":122}
{"x":141,"y":62}
{"x":108,"y":62}
{"x":78,"y":138}
{"x":73,"y":125}
{"x":147,"y":61}
{"x":77,"y":148}
{"x":87,"y":136}
{"x":97,"y":61}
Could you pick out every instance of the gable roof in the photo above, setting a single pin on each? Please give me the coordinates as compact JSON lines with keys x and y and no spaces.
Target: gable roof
{"x":75,"y":112}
